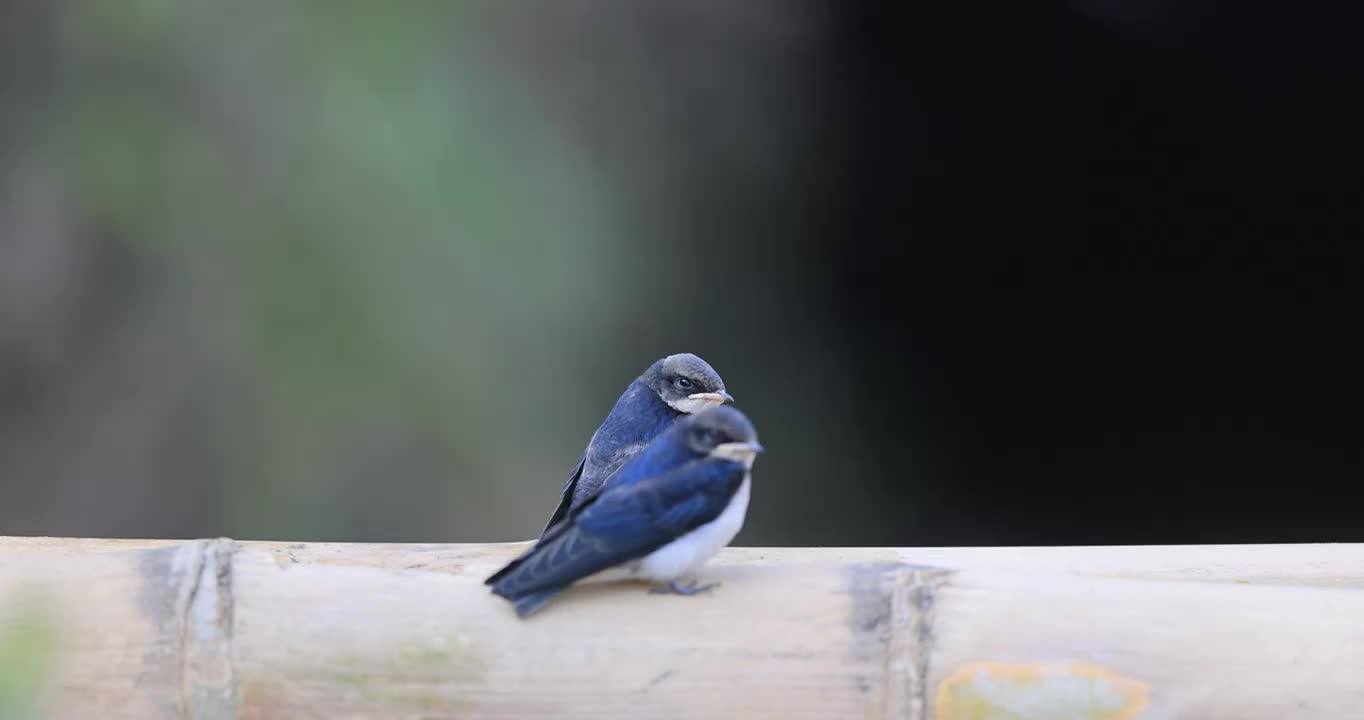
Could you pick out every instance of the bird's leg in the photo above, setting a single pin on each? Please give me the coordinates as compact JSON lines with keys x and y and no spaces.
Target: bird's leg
{"x":692,"y":588}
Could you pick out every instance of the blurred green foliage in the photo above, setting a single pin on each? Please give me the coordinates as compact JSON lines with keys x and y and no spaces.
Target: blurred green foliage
{"x":375,"y":272}
{"x":364,"y":220}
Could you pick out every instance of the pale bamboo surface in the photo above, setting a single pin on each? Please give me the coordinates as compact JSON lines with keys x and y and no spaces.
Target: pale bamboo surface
{"x":224,"y":629}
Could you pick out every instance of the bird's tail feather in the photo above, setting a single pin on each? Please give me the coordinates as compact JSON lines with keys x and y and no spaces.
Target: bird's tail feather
{"x":492,"y":579}
{"x":568,"y":557}
{"x":496,"y":577}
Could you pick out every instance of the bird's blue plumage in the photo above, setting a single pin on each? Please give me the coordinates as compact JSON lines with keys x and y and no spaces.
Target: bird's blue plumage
{"x":624,"y":523}
{"x":664,"y":506}
{"x":667,"y":452}
{"x":638,"y":417}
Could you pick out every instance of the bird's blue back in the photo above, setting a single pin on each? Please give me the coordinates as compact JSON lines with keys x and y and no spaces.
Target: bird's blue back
{"x":662,"y":506}
{"x":633,"y":420}
{"x":663,"y":453}
{"x":625,"y":523}
{"x":638,"y":416}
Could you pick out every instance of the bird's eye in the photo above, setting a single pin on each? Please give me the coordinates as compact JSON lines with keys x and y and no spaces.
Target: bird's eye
{"x":684,"y":383}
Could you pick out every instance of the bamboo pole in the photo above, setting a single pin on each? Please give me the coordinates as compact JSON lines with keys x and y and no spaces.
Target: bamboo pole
{"x":222,"y":629}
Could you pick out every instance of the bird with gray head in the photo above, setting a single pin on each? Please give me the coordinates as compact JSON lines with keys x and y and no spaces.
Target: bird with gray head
{"x":660,"y":518}
{"x":672,"y":387}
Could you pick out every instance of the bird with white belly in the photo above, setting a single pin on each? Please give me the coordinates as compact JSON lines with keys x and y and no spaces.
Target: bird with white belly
{"x":660,"y":517}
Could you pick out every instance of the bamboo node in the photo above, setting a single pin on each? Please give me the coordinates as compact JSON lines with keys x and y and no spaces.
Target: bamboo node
{"x":208,"y":683}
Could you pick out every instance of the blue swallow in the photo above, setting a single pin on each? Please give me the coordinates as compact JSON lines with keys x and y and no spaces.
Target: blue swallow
{"x":670,"y":388}
{"x":660,"y":518}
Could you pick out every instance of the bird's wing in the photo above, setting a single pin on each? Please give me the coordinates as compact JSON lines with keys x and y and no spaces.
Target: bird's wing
{"x":560,"y":513}
{"x":663,"y":507}
{"x":648,"y":461}
{"x":624,"y":524}
{"x":566,"y":499}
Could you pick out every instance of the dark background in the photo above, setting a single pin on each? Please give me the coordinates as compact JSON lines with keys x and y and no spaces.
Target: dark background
{"x":1113,"y":257}
{"x":981,"y":273}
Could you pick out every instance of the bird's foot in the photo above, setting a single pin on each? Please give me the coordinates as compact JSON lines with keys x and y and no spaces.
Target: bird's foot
{"x":673,"y":588}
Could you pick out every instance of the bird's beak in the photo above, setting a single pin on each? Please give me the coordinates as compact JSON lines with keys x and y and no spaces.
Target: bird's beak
{"x":719,"y":398}
{"x":743,"y":452}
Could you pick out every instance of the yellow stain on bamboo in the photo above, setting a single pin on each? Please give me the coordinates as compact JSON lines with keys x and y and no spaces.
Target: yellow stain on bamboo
{"x":1001,"y":691}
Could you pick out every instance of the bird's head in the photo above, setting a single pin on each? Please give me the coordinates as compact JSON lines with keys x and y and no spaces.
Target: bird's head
{"x":725,"y":433}
{"x":687,"y":383}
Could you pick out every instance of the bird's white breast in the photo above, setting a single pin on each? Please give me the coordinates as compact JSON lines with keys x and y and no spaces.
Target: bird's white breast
{"x":687,"y":553}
